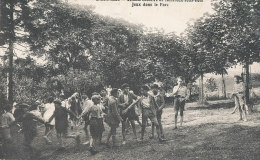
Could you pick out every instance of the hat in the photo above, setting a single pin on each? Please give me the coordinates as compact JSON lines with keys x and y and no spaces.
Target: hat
{"x":95,"y":97}
{"x":38,"y":102}
{"x":155,"y":86}
{"x":145,"y":87}
{"x":57,"y":101}
{"x":103,"y":91}
{"x":62,"y":96}
{"x":125,"y":85}
{"x":95,"y":93}
{"x":113,"y":91}
{"x":179,"y":78}
{"x":75,"y":94}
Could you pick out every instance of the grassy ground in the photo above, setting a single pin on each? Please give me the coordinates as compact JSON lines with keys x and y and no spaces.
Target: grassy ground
{"x":209,"y":132}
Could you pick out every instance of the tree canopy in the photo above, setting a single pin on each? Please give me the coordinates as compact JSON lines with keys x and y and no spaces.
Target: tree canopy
{"x":82,"y":49}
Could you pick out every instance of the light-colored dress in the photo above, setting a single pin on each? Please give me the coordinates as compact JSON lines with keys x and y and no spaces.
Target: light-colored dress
{"x":49,"y":110}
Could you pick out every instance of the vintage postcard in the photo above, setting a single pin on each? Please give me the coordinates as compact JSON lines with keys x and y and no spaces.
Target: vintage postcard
{"x":129,"y":79}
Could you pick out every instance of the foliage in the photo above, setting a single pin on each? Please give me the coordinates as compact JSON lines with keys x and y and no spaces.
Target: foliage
{"x":211,"y":84}
{"x":84,"y":51}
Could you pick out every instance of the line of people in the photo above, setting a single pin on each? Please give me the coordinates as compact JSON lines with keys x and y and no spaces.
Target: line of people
{"x":121,"y":108}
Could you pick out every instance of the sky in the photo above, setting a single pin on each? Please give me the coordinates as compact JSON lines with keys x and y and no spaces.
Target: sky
{"x":171,"y":18}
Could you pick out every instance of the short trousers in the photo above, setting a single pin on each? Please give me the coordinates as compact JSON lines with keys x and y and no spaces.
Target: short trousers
{"x":179,"y":105}
{"x":239,"y":100}
{"x":147,"y":113}
{"x":130,"y":115}
{"x":5,"y":133}
{"x":112,"y":121}
{"x":159,"y":115}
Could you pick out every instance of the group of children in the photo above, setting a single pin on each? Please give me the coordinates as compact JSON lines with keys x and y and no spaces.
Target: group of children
{"x":123,"y":108}
{"x":117,"y":106}
{"x":112,"y":106}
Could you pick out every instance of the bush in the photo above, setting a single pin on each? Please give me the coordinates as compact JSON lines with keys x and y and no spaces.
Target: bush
{"x":211,"y":84}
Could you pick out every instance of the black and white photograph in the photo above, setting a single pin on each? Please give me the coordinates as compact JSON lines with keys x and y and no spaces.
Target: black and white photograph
{"x":129,"y":79}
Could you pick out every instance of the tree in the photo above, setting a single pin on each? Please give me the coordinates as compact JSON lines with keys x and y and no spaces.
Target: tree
{"x":235,"y":28}
{"x":13,"y":17}
{"x":61,"y":33}
{"x":200,"y":49}
{"x":85,"y":41}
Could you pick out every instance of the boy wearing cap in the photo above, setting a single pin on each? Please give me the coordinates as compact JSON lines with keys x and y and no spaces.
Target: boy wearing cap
{"x":125,"y":100}
{"x":181,"y":95}
{"x":160,"y":103}
{"x":61,"y":123}
{"x":149,"y":110}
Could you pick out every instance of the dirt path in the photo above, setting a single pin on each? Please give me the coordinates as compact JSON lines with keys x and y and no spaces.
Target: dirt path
{"x":208,"y":133}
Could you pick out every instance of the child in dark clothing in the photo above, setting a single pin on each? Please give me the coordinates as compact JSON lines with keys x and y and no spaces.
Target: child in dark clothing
{"x":29,"y":121}
{"x":61,"y":123}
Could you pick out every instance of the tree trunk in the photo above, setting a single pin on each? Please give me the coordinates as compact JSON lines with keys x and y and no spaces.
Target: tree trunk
{"x":201,"y":99}
{"x":223,"y":86}
{"x":190,"y":91}
{"x":246,"y":66}
{"x":10,"y":56}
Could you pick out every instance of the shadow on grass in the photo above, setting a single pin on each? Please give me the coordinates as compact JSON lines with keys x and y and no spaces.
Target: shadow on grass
{"x":213,"y":106}
{"x":235,"y":142}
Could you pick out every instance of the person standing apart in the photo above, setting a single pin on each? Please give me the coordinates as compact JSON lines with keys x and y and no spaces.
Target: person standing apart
{"x":181,"y":95}
{"x":238,"y":94}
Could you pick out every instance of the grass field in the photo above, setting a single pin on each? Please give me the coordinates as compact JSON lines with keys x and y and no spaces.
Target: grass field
{"x":209,"y":132}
